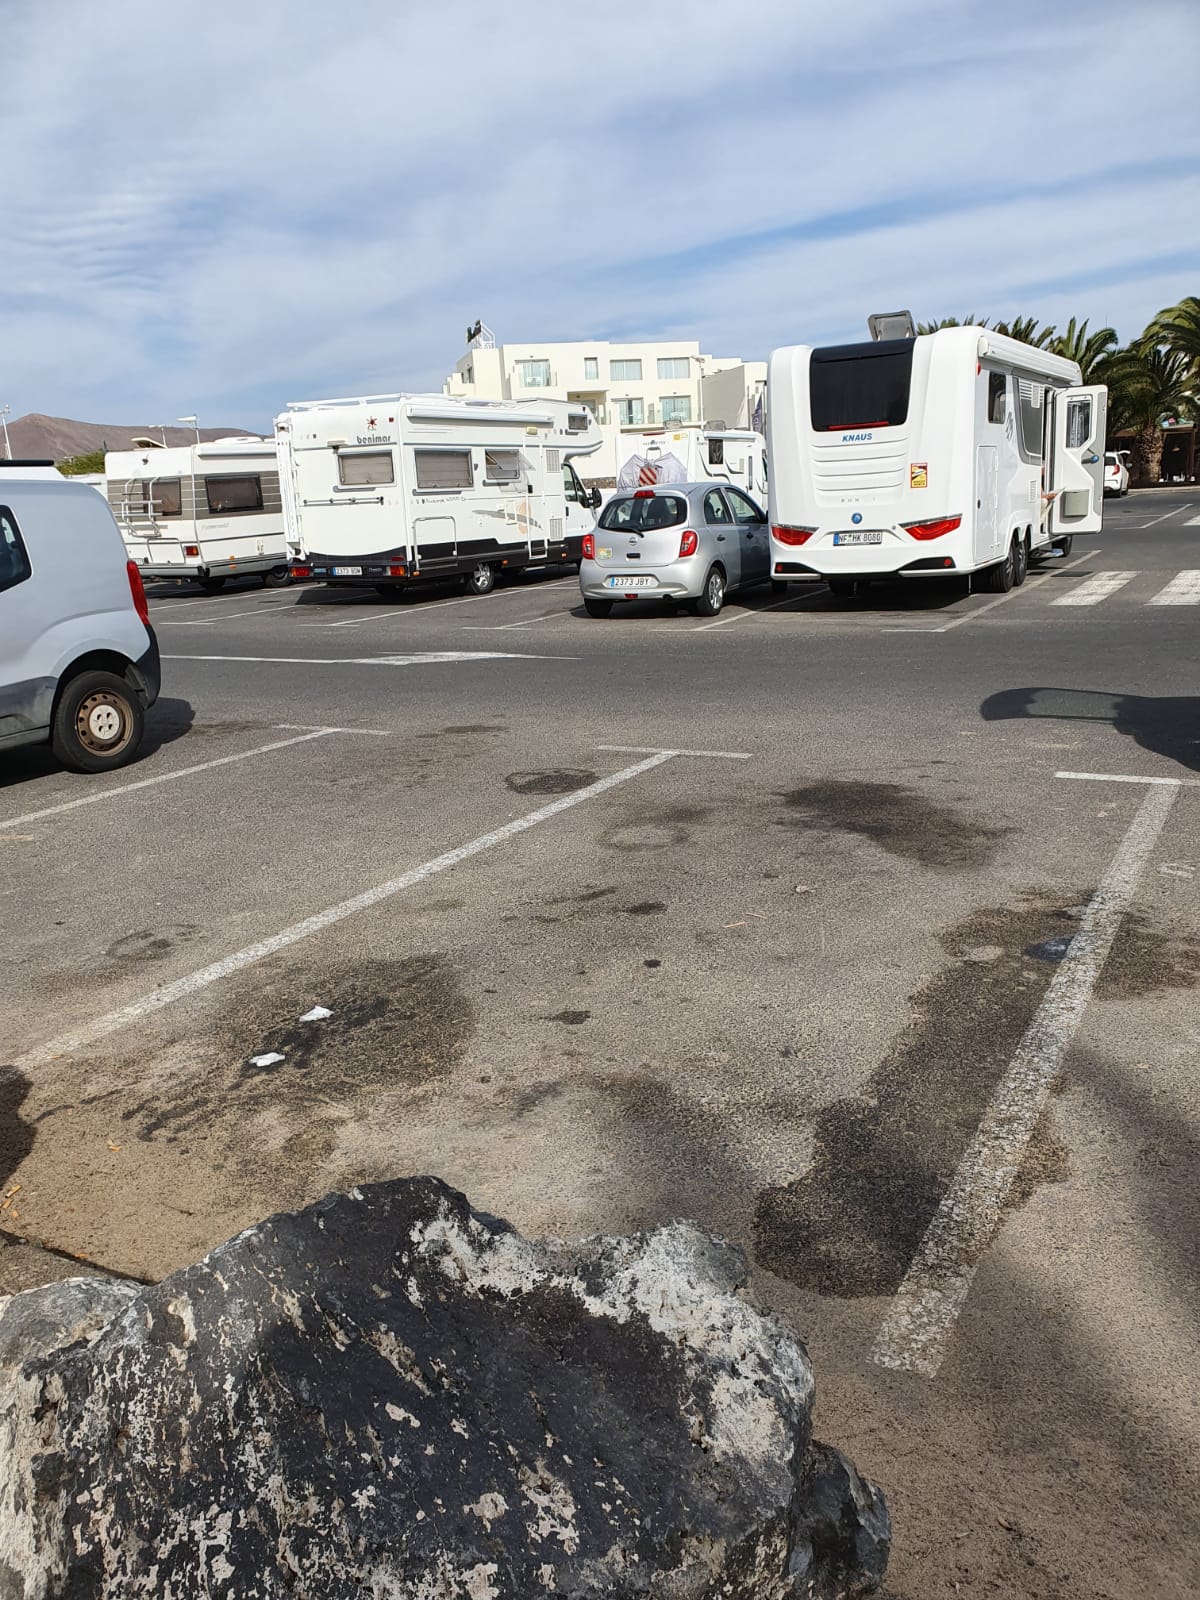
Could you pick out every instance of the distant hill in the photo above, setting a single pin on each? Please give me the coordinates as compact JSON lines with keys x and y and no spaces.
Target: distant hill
{"x":39,"y":438}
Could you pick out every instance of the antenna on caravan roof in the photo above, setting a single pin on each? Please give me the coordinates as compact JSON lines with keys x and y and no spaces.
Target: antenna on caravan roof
{"x":892,"y":325}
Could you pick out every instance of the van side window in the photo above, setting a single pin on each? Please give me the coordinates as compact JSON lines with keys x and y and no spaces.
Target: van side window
{"x":997,"y":396}
{"x":374,"y":466}
{"x":234,"y":494}
{"x":14,"y":561}
{"x":443,"y":469}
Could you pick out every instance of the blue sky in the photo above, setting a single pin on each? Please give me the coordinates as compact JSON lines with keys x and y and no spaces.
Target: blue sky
{"x":219,"y":209}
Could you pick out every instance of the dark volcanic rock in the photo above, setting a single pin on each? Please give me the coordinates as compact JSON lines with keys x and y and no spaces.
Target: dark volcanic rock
{"x":389,"y":1396}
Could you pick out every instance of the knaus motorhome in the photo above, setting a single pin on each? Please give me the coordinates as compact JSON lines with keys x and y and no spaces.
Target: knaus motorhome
{"x":206,"y":512}
{"x":387,"y":490}
{"x":955,"y":452}
{"x":690,"y":455}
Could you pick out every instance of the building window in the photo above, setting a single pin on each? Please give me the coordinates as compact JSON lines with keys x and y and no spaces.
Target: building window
{"x":674,"y":366}
{"x":591,"y":367}
{"x":14,"y":563}
{"x":629,"y":413}
{"x":374,"y":467}
{"x":234,"y":494}
{"x":625,"y":371}
{"x":163,"y":497}
{"x":443,"y":469}
{"x":676,"y":408}
{"x":533,"y":374}
{"x":997,"y":396}
{"x":501,"y":466}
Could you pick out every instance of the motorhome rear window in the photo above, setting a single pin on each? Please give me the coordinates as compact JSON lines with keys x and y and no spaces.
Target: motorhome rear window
{"x":860,"y":385}
{"x":163,"y":497}
{"x":373,"y":467}
{"x":234,"y":494}
{"x":641,"y":513}
{"x":577,"y":421}
{"x":14,"y":562}
{"x":716,"y":452}
{"x":443,"y":469}
{"x":501,"y":466}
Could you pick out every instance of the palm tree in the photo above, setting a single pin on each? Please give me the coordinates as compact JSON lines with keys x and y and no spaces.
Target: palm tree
{"x":1178,"y":329}
{"x":1027,"y":330}
{"x":1090,"y":351}
{"x":1146,"y":383}
{"x":952,"y":322}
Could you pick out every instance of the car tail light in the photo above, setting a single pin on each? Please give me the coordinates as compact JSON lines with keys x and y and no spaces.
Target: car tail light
{"x":787,"y":535}
{"x":301,"y":572}
{"x":644,"y":494}
{"x":192,"y":552}
{"x":137,"y":591}
{"x":933,"y":529}
{"x":589,"y":547}
{"x":689,"y":543}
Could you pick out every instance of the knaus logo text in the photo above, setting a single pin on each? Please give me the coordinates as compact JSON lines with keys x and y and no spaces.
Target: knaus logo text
{"x":856,"y":438}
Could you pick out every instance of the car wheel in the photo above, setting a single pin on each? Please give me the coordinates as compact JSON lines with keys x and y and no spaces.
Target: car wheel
{"x":277,"y":578}
{"x":1000,"y":578}
{"x":211,"y":585}
{"x":712,"y":596}
{"x":481,"y":579}
{"x":1020,"y":562}
{"x":1063,"y":546}
{"x":598,"y":608}
{"x":97,"y":723}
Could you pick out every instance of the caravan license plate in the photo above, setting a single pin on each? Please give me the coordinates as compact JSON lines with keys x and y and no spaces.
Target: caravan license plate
{"x":641,"y":581}
{"x":873,"y":537}
{"x":347,"y":572}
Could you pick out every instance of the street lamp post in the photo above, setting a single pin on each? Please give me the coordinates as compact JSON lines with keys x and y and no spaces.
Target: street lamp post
{"x":191,"y":421}
{"x":4,"y":414}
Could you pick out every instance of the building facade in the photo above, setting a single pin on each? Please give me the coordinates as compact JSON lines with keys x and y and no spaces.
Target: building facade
{"x":628,"y":387}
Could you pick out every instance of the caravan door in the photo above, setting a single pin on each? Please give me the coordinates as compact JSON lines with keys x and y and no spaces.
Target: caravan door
{"x":1075,"y":468}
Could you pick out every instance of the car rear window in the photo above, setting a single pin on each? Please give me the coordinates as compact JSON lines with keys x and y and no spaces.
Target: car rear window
{"x":860,"y":385}
{"x":641,"y":513}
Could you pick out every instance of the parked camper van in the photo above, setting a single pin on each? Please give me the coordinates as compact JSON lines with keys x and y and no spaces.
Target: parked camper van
{"x":692,"y":455}
{"x":955,"y":452}
{"x":388,"y":490}
{"x":203,"y":512}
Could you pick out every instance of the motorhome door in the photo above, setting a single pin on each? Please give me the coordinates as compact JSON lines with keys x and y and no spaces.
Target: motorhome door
{"x":1075,"y":468}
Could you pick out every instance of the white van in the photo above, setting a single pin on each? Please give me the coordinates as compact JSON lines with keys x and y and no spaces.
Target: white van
{"x":960,"y":451}
{"x":200,"y":512}
{"x":390,"y":490}
{"x":78,"y":658}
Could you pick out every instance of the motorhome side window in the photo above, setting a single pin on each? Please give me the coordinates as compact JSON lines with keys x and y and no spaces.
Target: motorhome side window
{"x":854,"y":386}
{"x":443,"y":469}
{"x":375,"y":466}
{"x":1029,"y":418}
{"x":234,"y":494}
{"x":997,"y":396}
{"x":1079,"y":423}
{"x":14,"y":561}
{"x":501,"y":466}
{"x":162,"y":497}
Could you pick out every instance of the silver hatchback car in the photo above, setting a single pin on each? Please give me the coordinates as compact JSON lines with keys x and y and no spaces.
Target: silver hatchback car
{"x":683,"y":541}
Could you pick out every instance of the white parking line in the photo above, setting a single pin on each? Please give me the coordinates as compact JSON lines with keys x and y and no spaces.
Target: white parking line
{"x":917,"y":1328}
{"x":423,"y":659}
{"x":1174,"y":512}
{"x":661,"y":750}
{"x":969,"y":616}
{"x":1092,"y":590}
{"x":163,"y":777}
{"x":100,"y":1027}
{"x":1128,"y":777}
{"x":527,"y":622}
{"x":1183,"y":590}
{"x":441,"y":605}
{"x":264,"y":606}
{"x":722,"y":622}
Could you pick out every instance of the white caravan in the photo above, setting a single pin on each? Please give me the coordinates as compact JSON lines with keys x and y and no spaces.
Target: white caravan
{"x":690,"y":455}
{"x":204,"y":512}
{"x":390,"y":490}
{"x":954,"y":452}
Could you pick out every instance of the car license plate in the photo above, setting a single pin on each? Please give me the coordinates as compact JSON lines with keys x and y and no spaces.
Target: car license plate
{"x":347,"y":572}
{"x":875,"y":536}
{"x":641,"y":581}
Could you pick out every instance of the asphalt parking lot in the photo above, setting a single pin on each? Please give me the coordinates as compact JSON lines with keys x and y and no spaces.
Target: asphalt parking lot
{"x":865,"y":932}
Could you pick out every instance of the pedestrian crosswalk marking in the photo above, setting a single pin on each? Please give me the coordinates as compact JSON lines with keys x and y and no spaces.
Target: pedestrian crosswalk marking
{"x":1095,"y":589}
{"x":1183,"y":590}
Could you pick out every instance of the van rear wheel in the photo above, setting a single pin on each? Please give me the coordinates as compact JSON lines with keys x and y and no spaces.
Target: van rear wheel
{"x":277,"y":578}
{"x":481,"y":579}
{"x":98,"y":723}
{"x":1000,"y":578}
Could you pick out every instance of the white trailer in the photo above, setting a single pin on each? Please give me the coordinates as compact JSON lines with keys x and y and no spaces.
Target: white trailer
{"x":955,"y":452}
{"x":690,"y":455}
{"x":390,"y":490}
{"x":203,"y":512}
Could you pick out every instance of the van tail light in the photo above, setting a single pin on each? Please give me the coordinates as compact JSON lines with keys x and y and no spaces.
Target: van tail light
{"x":192,"y":552}
{"x":589,"y":547}
{"x":689,"y":542}
{"x":788,"y":535}
{"x":301,"y":571}
{"x":934,"y":529}
{"x":137,"y":590}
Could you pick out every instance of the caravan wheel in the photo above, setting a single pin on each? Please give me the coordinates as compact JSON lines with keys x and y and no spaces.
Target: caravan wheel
{"x":1000,"y":578}
{"x":481,"y":579}
{"x":277,"y":578}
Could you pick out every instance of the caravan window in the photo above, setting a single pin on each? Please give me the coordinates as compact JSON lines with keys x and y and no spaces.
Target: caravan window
{"x":501,"y":466}
{"x":1029,"y":417}
{"x":997,"y":396}
{"x":162,"y":497}
{"x":1079,"y":423}
{"x":234,"y":494}
{"x":577,"y":421}
{"x":374,"y":467}
{"x":443,"y":469}
{"x":860,"y":385}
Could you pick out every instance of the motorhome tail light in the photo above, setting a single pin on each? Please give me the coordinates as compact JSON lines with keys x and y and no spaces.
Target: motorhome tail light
{"x":301,"y":572}
{"x":934,"y":529}
{"x":395,"y":572}
{"x":192,"y":552}
{"x":783,"y":534}
{"x":589,"y":547}
{"x":137,"y":591}
{"x":689,"y":542}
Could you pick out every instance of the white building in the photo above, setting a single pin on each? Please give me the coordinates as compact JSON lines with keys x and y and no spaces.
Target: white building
{"x":652,"y":384}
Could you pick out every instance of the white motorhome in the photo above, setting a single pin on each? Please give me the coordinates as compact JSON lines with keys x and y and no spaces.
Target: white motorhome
{"x":389,"y":490}
{"x":202,"y":512}
{"x":954,"y":452}
{"x":690,"y":455}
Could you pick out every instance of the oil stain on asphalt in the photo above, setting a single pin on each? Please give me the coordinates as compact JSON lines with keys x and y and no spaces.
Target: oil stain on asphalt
{"x":562,"y":780}
{"x":899,"y":820}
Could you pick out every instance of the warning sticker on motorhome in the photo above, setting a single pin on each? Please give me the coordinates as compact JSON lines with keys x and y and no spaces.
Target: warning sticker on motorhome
{"x":918,"y":475}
